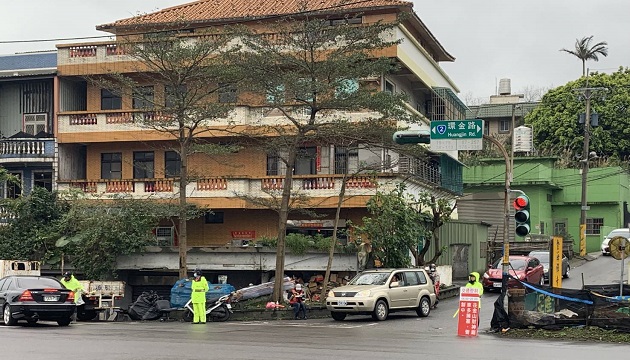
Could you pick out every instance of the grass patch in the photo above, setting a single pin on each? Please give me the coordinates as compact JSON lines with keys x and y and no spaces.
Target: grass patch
{"x":582,"y":333}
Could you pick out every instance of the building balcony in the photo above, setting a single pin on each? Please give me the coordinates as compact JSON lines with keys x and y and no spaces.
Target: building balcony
{"x":314,"y":186}
{"x":27,"y":150}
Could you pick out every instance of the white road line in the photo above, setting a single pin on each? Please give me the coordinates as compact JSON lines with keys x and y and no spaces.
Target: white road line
{"x":300,"y":324}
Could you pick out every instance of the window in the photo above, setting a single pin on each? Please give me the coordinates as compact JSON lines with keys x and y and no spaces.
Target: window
{"x":504,"y":126}
{"x":342,"y":157}
{"x":164,"y":236}
{"x":306,"y":162}
{"x":390,"y":87}
{"x":35,"y":123}
{"x":143,"y":97}
{"x":421,"y":277}
{"x":143,"y":164}
{"x":346,"y":88}
{"x":43,"y":179}
{"x":594,"y":225}
{"x":486,"y":128}
{"x":14,"y":186}
{"x":174,"y":95}
{"x":410,"y":278}
{"x":110,"y":101}
{"x":560,"y":228}
{"x":214,"y":217}
{"x":172,"y":164}
{"x":111,"y":166}
{"x":353,"y":20}
{"x":275,"y":94}
{"x":272,"y":164}
{"x":227,"y":93}
{"x":542,"y":227}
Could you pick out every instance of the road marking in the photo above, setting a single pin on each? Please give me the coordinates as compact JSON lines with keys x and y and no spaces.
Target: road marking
{"x":299,"y":324}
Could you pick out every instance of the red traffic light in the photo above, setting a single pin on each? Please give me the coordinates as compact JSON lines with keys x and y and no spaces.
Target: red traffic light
{"x":521,"y":202}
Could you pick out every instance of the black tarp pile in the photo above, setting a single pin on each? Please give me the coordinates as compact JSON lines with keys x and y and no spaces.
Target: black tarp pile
{"x":549,"y":307}
{"x":146,"y":307}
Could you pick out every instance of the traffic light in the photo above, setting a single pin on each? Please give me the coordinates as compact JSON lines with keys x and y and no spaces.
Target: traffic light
{"x":522,"y":215}
{"x":412,"y":137}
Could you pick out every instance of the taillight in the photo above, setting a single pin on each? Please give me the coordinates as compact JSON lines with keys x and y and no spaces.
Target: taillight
{"x":70,"y":297}
{"x":26,"y":296}
{"x":50,"y":290}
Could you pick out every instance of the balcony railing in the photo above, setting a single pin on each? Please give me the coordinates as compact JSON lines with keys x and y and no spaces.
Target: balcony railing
{"x":27,"y":148}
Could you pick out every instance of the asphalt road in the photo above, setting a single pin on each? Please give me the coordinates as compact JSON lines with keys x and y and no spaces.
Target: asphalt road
{"x":403,"y":336}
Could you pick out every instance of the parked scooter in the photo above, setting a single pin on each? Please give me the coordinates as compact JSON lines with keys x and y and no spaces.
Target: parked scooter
{"x":435,"y":277}
{"x":220,"y":310}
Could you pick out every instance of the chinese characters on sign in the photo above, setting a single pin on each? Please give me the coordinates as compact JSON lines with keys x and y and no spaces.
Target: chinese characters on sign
{"x":456,"y":134}
{"x":468,"y":320}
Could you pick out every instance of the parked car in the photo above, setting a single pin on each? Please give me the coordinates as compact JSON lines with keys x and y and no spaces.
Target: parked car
{"x":33,"y":298}
{"x":625,"y":232}
{"x":525,"y":268}
{"x":543,"y":257}
{"x":379,"y":292}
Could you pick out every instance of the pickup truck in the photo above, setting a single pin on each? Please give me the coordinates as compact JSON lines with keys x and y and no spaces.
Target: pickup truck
{"x":100,"y":297}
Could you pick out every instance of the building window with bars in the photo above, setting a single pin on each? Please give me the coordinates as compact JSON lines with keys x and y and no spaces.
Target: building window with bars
{"x":35,"y":123}
{"x":594,"y":226}
{"x":272,"y":164}
{"x":343,"y":157}
{"x":504,"y":126}
{"x":111,"y":166}
{"x":164,"y":236}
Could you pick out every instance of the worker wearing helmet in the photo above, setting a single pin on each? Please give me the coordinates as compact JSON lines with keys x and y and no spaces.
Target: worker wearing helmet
{"x":199,"y":287}
{"x":71,"y":283}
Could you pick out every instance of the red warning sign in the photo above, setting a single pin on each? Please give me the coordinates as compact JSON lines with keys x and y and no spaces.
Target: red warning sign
{"x":468,"y":320}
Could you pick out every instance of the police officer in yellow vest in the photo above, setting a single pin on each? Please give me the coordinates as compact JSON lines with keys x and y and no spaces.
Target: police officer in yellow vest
{"x":71,"y":283}
{"x":199,"y":287}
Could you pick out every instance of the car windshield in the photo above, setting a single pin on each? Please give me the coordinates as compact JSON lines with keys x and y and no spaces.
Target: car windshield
{"x":38,"y":283}
{"x":618,"y":233}
{"x":516,"y":264}
{"x":370,"y":279}
{"x":541,"y":256}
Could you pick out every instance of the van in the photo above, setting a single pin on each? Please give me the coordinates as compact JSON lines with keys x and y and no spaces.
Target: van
{"x":625,"y":232}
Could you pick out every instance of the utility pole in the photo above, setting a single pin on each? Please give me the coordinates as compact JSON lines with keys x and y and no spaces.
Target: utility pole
{"x":587,"y":93}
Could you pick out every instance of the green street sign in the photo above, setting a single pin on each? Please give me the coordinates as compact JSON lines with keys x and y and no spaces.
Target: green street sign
{"x":457,"y":129}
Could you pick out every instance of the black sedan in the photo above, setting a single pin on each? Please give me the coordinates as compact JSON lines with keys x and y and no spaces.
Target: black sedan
{"x":33,"y":298}
{"x":543,"y":257}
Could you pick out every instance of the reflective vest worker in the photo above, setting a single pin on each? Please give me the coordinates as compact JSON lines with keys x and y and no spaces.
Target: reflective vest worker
{"x":71,"y":283}
{"x":473,"y":282}
{"x":199,"y":287}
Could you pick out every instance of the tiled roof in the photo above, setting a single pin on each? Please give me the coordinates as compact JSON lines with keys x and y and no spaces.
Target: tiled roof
{"x":213,"y":10}
{"x":43,"y":60}
{"x":499,"y":110}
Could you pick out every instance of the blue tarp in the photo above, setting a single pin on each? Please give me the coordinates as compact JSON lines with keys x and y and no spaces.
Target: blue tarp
{"x":180,"y":292}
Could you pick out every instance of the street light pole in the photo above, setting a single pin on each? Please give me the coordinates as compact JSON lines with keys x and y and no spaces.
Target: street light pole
{"x":585,"y":157}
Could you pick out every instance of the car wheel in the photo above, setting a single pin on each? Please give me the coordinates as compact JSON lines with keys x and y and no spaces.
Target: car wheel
{"x":187,"y":316}
{"x":381,"y":310}
{"x":86,"y":315}
{"x":7,"y":318}
{"x":567,"y":273}
{"x":339,"y":316}
{"x":64,"y":322}
{"x":424,"y":308}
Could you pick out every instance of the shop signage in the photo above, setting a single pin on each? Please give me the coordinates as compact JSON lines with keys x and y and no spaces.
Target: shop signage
{"x":468,"y":320}
{"x":243,"y":234}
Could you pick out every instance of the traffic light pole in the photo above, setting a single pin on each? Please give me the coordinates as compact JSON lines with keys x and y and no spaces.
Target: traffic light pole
{"x":506,"y":220}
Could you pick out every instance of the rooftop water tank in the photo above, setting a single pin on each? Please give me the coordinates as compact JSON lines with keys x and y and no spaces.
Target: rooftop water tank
{"x":505,"y":87}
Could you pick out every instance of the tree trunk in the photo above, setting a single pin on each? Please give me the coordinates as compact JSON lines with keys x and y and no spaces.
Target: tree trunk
{"x":282,"y":224}
{"x":331,"y":252}
{"x":183,"y":236}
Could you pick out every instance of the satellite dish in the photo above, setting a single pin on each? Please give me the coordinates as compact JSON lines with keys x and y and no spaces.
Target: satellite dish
{"x":619,"y":247}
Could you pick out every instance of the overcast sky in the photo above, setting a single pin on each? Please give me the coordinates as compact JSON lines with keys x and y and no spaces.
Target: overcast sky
{"x":490,"y":39}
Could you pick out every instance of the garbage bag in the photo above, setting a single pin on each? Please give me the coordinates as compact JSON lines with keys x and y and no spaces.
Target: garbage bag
{"x":145,"y":307}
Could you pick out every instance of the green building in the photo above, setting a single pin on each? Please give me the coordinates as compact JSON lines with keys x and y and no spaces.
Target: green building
{"x":555,"y":197}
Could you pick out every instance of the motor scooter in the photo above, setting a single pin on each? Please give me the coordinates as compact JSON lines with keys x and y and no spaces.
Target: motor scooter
{"x":220,"y":310}
{"x":435,"y":277}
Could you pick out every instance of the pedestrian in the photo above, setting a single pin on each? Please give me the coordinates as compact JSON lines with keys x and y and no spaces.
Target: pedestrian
{"x":71,"y":283}
{"x":199,"y":287}
{"x":473,"y":282}
{"x":297,"y":301}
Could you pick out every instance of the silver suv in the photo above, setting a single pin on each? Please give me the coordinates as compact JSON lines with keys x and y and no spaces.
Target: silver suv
{"x":625,"y":232}
{"x":379,"y":292}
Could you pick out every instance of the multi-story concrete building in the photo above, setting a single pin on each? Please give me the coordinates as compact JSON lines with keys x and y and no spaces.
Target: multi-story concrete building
{"x":27,"y":148}
{"x":102,"y":151}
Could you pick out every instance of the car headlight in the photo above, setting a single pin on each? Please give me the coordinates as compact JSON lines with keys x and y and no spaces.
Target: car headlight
{"x":364,"y":293}
{"x":331,"y":293}
{"x":546,"y":270}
